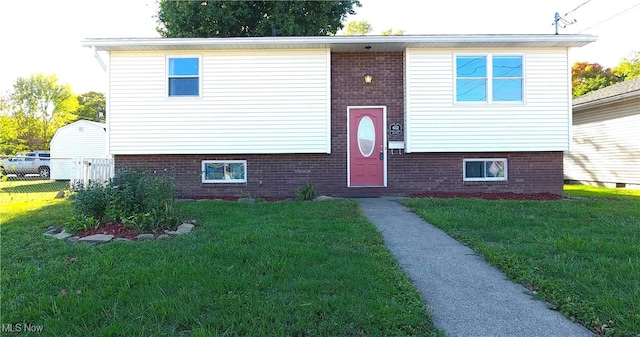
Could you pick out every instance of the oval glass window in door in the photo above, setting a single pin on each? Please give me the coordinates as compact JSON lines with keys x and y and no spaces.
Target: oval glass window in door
{"x":366,"y":136}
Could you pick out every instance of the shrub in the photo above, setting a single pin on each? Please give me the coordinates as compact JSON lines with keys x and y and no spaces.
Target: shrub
{"x":91,"y":201}
{"x":307,"y":192}
{"x":127,"y":194}
{"x":142,"y":201}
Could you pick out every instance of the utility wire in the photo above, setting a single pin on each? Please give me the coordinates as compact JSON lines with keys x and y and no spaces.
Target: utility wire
{"x":575,"y":9}
{"x":611,"y":17}
{"x":563,"y":21}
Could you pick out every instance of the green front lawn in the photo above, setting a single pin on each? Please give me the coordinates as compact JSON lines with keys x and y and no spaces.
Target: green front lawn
{"x":18,"y":190}
{"x":581,"y":255}
{"x":600,"y":192}
{"x":264,"y":269}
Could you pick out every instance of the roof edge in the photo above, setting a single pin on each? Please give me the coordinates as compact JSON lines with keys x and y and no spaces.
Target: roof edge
{"x":606,"y":100}
{"x":568,"y":40}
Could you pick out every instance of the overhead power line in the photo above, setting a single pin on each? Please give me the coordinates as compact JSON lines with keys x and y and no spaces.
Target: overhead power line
{"x":563,"y":20}
{"x":611,"y":17}
{"x":575,"y":9}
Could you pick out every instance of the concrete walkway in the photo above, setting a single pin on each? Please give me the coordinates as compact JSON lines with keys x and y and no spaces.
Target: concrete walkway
{"x":467,"y":296}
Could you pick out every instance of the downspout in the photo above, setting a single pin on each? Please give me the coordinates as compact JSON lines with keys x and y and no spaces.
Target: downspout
{"x":97,"y":56}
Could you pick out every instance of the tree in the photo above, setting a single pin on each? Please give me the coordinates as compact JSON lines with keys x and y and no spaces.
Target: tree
{"x":358,"y":28}
{"x":390,"y":32}
{"x":586,"y":77}
{"x":629,"y":67}
{"x":38,"y":106}
{"x":10,"y":142}
{"x":92,"y":106}
{"x":209,"y":18}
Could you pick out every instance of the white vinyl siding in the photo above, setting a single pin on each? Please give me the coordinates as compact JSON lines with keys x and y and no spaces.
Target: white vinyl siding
{"x":606,"y":145}
{"x":436,"y":123}
{"x":265,"y":101}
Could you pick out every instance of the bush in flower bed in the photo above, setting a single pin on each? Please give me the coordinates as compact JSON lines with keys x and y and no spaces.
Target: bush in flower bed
{"x":142,"y":201}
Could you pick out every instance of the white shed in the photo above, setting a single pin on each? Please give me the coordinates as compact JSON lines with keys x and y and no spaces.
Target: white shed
{"x":74,"y":142}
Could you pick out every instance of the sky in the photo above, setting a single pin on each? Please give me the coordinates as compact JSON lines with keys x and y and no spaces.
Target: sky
{"x":44,"y":36}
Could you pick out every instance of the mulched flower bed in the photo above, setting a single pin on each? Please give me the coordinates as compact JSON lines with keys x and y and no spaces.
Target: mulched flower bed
{"x":118,"y":230}
{"x":490,"y":196}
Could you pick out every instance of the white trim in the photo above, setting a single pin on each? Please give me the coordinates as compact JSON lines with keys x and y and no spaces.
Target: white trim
{"x":166,"y":76}
{"x":384,"y":142}
{"x":98,"y":58}
{"x":223,"y":181}
{"x":569,"y":104}
{"x":345,"y":43}
{"x":107,"y":106}
{"x":328,"y":114}
{"x":408,"y":107}
{"x":464,"y":169}
{"x":489,"y":77}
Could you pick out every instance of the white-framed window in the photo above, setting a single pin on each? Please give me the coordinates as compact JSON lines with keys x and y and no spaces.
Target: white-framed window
{"x":481,"y":169}
{"x":183,"y":76}
{"x":489,"y":78}
{"x":224,"y":171}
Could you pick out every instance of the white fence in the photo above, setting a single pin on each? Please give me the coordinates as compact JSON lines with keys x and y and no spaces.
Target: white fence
{"x":82,"y":169}
{"x":92,"y":169}
{"x":73,"y":170}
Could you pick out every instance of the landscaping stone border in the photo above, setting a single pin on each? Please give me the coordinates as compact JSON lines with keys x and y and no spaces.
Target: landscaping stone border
{"x":61,"y":234}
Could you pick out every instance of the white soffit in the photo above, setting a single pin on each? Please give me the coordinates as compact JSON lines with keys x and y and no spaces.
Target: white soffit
{"x":342,"y":43}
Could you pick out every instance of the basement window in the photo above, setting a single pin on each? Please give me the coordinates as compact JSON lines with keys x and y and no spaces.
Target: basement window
{"x":224,"y":171}
{"x":494,"y":169}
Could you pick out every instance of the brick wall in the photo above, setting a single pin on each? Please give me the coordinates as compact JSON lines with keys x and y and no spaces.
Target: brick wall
{"x":348,"y":89}
{"x":281,"y":175}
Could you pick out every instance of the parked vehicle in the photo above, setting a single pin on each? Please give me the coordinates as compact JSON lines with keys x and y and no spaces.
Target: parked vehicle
{"x":36,"y":162}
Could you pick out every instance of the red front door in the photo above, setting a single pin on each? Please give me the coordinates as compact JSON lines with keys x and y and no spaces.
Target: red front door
{"x":366,"y":147}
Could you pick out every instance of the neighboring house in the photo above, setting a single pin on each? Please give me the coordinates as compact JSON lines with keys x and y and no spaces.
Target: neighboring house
{"x":74,"y":142}
{"x":605,"y":149}
{"x":263,"y":116}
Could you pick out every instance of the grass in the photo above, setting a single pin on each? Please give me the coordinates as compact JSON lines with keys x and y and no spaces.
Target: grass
{"x":19,"y":197}
{"x":17,"y":190}
{"x":600,"y":192}
{"x":580,"y":255}
{"x":263,"y":269}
